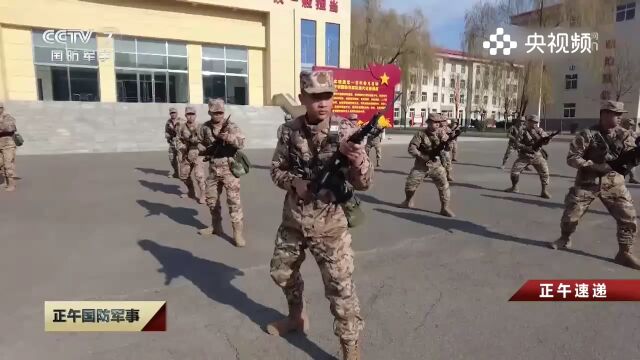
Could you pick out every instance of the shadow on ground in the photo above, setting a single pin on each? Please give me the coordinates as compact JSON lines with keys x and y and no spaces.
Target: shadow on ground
{"x":161,"y":187}
{"x":469,"y":227}
{"x":214,"y":279}
{"x":153,"y":171}
{"x":541,"y":203}
{"x":181,"y":215}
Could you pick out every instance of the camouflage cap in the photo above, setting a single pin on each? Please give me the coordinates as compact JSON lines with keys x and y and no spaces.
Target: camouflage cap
{"x":613,"y":106}
{"x":353,"y":117}
{"x":216,"y":105}
{"x":533,"y":118}
{"x":434,"y":117}
{"x":173,"y":110}
{"x":317,"y":82}
{"x":189,"y":110}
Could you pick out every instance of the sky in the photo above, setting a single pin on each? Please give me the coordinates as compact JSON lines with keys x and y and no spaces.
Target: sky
{"x":446,"y":20}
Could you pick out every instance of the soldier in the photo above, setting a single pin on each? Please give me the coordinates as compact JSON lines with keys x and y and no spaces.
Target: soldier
{"x":7,"y":149}
{"x":190,"y":160}
{"x":353,"y":118}
{"x":589,"y":153}
{"x":445,"y":157}
{"x":513,"y":135}
{"x":428,"y":165}
{"x":287,"y":118}
{"x":628,"y":125}
{"x":375,"y":141}
{"x":454,"y":143}
{"x":529,"y":156}
{"x":228,"y":139}
{"x":170,"y":133}
{"x":314,"y":222}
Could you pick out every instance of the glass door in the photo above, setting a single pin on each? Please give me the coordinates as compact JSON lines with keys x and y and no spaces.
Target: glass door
{"x":146,"y":86}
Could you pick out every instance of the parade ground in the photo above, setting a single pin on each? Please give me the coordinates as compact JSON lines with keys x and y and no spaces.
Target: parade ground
{"x":113,"y":227}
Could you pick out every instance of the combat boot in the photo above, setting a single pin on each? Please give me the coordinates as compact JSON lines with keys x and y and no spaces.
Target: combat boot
{"x":11,"y":184}
{"x":514,"y":184}
{"x":408,"y":201}
{"x":214,"y":229}
{"x":450,"y":177}
{"x":564,"y":242}
{"x":544,"y":193}
{"x":296,"y":321}
{"x":377,"y":162}
{"x":191,"y":191}
{"x":626,"y":258}
{"x":238,"y":238}
{"x":446,"y":211}
{"x":350,"y":349}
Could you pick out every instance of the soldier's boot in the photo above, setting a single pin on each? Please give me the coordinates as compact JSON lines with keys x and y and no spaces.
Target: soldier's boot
{"x":544,"y":193}
{"x":350,"y":349}
{"x":11,"y":184}
{"x":564,"y":242}
{"x":408,"y":200}
{"x":445,"y":210}
{"x":191,"y":191}
{"x":377,"y":162}
{"x":238,"y":238}
{"x":450,"y":175}
{"x":296,"y":321}
{"x":203,"y":196}
{"x":514,"y":184}
{"x":214,"y":229}
{"x":626,"y":258}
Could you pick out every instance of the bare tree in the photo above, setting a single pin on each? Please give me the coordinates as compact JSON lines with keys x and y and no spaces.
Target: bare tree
{"x":623,"y":76}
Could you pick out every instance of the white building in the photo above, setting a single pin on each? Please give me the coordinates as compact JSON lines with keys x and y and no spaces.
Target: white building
{"x":475,"y":85}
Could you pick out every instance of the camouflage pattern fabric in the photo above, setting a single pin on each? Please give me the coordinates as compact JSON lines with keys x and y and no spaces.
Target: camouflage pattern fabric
{"x":172,"y":127}
{"x":190,"y":161}
{"x":526,"y":157}
{"x":7,"y":147}
{"x":425,"y":166}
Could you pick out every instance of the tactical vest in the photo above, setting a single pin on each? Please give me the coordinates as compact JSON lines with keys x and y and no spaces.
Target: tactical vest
{"x":191,"y":131}
{"x":601,"y":148}
{"x":306,"y":158}
{"x":427,"y":148}
{"x":529,"y":137}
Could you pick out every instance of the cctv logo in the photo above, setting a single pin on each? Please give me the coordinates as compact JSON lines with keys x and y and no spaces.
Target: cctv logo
{"x":498,"y":41}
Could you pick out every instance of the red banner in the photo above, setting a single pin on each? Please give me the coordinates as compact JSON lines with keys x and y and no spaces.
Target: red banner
{"x":364,"y":92}
{"x":578,"y":290}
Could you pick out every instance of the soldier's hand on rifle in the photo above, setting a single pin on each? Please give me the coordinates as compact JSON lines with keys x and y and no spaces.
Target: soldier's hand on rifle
{"x":354,"y":152}
{"x":602,"y":168}
{"x":302,"y":188}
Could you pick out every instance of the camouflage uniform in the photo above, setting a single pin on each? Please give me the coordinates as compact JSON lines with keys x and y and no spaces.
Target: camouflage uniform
{"x":230,"y":139}
{"x":425,"y":166}
{"x":589,"y":152}
{"x":287,"y":118}
{"x":446,"y":155}
{"x":513,"y":134}
{"x":170,"y":133}
{"x":191,"y":163}
{"x":7,"y":149}
{"x":376,"y":143}
{"x":628,"y":125}
{"x":526,"y":156}
{"x":318,"y":225}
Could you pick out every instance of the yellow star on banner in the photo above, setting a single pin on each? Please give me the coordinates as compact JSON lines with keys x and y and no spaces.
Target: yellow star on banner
{"x":384,"y":79}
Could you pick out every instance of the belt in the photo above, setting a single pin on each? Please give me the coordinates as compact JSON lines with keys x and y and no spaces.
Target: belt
{"x":7,"y":133}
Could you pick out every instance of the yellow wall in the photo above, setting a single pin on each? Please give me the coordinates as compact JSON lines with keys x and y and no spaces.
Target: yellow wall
{"x":270,"y":31}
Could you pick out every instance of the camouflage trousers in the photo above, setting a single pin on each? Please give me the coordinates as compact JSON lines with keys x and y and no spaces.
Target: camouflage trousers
{"x":538,"y":162}
{"x":447,"y":163}
{"x":220,"y":177}
{"x":616,"y":198}
{"x":192,"y":165}
{"x":377,"y":147}
{"x":334,"y":257}
{"x":8,"y":162}
{"x":454,"y":150}
{"x":510,"y":149}
{"x":174,"y":160}
{"x":436,"y":172}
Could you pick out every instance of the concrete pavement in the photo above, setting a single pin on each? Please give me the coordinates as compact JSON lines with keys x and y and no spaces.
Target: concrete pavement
{"x":112,"y":227}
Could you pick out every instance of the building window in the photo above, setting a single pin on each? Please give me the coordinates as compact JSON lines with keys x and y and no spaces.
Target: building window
{"x":611,"y":44}
{"x":425,"y":80}
{"x":442,"y":97}
{"x":604,"y":95}
{"x":412,"y":113}
{"x":493,"y":115}
{"x":494,"y":86}
{"x":435,"y":97}
{"x":463,"y":68}
{"x":462,"y":98}
{"x":424,"y":96}
{"x":452,"y":83}
{"x":569,"y":110}
{"x":476,"y":99}
{"x":151,"y":71}
{"x":477,"y":84}
{"x":485,"y":100}
{"x":332,"y":46}
{"x":606,"y":78}
{"x":463,"y":84}
{"x":571,"y":81}
{"x":477,"y":70}
{"x":423,"y":114}
{"x":626,"y":12}
{"x":66,"y":72}
{"x":485,"y":84}
{"x":609,"y":61}
{"x":308,"y":46}
{"x":486,"y":71}
{"x":225,"y":74}
{"x":494,"y":100}
{"x":444,"y":83}
{"x":451,"y":98}
{"x":436,"y":81}
{"x":396,"y":113}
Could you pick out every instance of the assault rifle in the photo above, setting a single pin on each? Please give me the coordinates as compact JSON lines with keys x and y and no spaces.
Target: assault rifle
{"x":544,"y":141}
{"x":218,"y":148}
{"x":627,"y":160}
{"x":442,"y":146}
